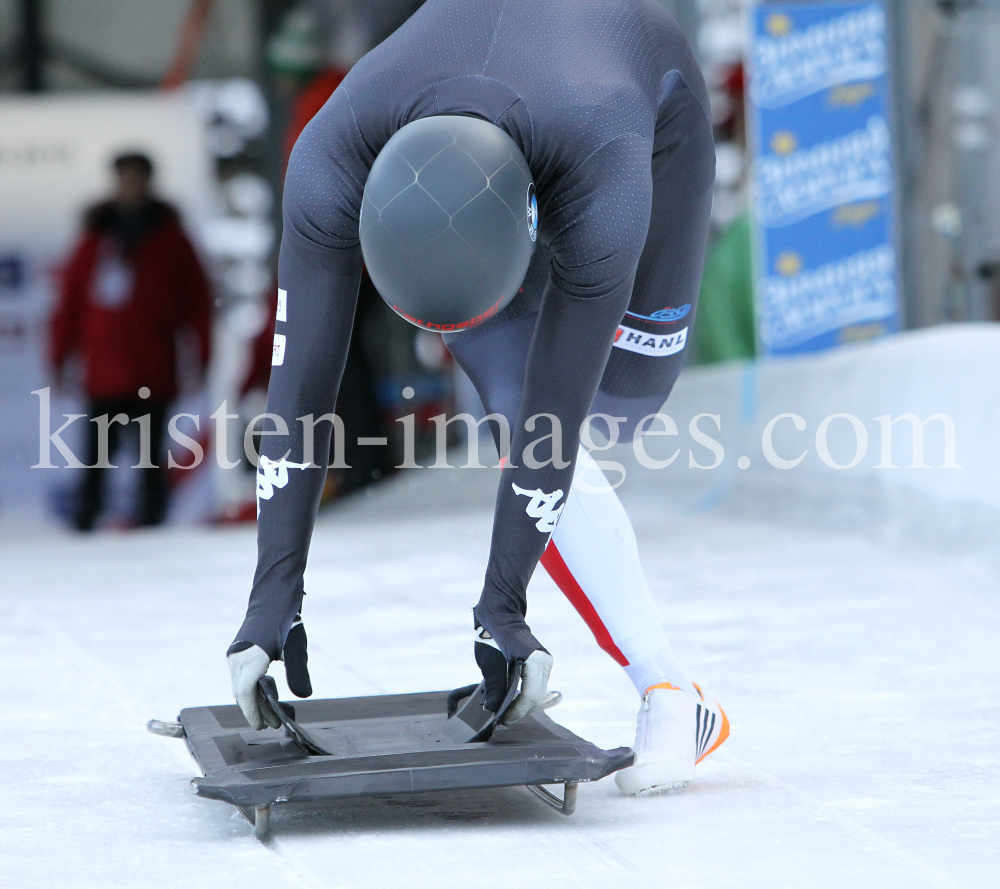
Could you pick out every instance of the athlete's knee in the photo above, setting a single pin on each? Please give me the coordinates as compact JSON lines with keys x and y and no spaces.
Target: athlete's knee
{"x":613,"y":273}
{"x":632,"y":404}
{"x":684,"y":150}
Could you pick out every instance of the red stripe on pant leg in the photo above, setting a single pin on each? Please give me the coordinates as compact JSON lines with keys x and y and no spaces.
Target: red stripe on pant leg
{"x":553,"y":562}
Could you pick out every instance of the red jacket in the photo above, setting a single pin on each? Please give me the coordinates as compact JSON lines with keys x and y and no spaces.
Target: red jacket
{"x":123,"y":300}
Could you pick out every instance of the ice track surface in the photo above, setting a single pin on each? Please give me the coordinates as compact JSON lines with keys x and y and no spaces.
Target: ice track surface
{"x":860,"y":681}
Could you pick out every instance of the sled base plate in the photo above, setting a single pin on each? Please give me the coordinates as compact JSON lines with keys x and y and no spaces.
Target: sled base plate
{"x":378,"y":745}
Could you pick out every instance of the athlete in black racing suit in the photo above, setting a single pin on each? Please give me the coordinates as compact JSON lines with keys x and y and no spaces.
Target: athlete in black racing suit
{"x":609,"y":107}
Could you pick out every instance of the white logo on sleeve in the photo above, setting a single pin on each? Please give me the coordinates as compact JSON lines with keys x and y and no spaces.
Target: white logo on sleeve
{"x":282,"y":314}
{"x":278,"y":350}
{"x":542,"y":506}
{"x":656,"y":345}
{"x":273,"y":474}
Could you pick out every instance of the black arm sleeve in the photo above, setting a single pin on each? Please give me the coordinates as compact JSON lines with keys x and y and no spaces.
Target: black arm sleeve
{"x":319,"y":270}
{"x":596,"y":226}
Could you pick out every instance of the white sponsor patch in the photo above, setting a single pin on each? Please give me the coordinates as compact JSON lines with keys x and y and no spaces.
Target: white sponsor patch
{"x":273,"y":474}
{"x":282,"y":314}
{"x":658,"y":345}
{"x":278,"y":350}
{"x":542,"y":506}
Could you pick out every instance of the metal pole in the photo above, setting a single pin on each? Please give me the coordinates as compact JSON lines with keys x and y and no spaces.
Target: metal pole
{"x":188,"y":44}
{"x":270,"y":14}
{"x":907,"y":153}
{"x":32,"y":47}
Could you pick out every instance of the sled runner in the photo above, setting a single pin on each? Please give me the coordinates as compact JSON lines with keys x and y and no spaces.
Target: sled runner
{"x":344,"y":747}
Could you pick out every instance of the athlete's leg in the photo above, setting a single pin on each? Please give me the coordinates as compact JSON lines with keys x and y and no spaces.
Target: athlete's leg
{"x":651,"y":345}
{"x":494,"y":355}
{"x":494,"y":360}
{"x":594,"y":559}
{"x":593,"y":554}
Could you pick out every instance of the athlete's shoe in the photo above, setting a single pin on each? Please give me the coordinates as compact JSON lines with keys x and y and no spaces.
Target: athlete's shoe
{"x":674,"y":732}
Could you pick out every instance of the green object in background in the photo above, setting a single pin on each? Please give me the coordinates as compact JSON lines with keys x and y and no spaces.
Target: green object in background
{"x":724,"y":328}
{"x":296,"y":50}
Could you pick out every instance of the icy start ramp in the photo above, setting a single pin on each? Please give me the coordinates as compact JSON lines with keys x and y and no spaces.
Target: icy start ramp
{"x":349,"y":747}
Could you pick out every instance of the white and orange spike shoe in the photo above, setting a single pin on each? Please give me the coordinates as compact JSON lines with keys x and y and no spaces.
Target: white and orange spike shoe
{"x":674,"y":732}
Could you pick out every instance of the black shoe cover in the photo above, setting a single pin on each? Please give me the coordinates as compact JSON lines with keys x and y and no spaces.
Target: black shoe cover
{"x":296,"y":660}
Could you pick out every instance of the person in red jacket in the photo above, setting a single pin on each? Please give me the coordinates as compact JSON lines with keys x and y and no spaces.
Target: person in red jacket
{"x":131,"y":286}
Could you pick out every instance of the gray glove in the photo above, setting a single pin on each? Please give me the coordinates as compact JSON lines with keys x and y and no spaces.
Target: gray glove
{"x":246,"y":667}
{"x":534,"y":686}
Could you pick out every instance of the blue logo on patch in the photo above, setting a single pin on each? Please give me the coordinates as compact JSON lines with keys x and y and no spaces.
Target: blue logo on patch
{"x":663,"y":316}
{"x":532,"y":212}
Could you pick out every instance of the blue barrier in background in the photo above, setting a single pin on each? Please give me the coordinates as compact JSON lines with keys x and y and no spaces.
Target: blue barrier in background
{"x":822,"y":175}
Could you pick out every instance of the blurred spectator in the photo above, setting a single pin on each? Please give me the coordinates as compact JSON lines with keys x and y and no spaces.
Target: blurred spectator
{"x":131,"y":287}
{"x":732,"y":126}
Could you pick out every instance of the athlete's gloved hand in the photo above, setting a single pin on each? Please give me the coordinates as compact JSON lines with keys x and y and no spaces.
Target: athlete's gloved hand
{"x":247,"y":664}
{"x":534,"y":678}
{"x":534,"y":687}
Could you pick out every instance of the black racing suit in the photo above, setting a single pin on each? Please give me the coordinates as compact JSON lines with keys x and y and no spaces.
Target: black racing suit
{"x":607,"y":102}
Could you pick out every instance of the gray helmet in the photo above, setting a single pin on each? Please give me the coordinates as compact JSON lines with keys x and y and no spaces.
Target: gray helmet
{"x":448,"y":221}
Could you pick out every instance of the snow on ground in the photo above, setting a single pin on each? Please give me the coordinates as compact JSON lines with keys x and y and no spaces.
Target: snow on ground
{"x":860,"y":681}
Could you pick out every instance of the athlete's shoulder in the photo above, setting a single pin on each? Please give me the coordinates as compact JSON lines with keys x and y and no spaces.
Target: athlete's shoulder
{"x":443,"y":38}
{"x":592,"y":21}
{"x":566,"y":53}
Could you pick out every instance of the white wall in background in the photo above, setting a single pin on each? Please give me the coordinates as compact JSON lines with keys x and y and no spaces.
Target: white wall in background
{"x":952,"y":370}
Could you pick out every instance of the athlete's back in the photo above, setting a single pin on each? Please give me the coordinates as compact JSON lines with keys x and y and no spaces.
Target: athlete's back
{"x":585,"y":71}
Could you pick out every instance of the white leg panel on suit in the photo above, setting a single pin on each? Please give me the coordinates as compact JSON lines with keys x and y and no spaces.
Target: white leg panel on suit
{"x":597,"y":548}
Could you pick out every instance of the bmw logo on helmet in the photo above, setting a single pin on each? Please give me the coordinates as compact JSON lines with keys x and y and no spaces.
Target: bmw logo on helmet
{"x":532,"y":212}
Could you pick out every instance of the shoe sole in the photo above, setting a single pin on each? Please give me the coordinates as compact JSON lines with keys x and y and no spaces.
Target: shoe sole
{"x":643,"y":780}
{"x":662,"y":788}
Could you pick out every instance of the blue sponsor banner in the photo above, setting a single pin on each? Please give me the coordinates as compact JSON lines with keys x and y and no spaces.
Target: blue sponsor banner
{"x":823,"y":181}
